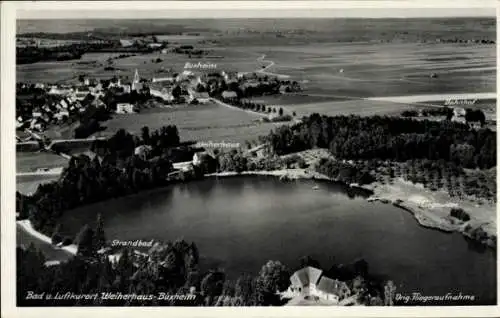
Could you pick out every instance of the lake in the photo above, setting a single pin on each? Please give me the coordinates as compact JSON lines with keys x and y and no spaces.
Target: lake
{"x":240,"y":223}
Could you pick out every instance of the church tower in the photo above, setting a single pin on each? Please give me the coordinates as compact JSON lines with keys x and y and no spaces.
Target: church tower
{"x":136,"y":80}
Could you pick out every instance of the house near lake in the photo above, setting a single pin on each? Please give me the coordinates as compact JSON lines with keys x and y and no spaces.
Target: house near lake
{"x":310,"y":281}
{"x":229,"y":94}
{"x":124,"y":108}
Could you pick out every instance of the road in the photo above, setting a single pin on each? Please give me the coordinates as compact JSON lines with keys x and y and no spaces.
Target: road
{"x":435,"y":97}
{"x":219,"y":102}
{"x":271,"y":63}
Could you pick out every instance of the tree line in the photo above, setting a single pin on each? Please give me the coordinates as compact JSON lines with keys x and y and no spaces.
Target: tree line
{"x":173,"y":268}
{"x":389,"y":138}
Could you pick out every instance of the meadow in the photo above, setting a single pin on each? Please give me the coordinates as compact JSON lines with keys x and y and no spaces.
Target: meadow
{"x":28,"y":184}
{"x":205,"y":122}
{"x":31,"y":161}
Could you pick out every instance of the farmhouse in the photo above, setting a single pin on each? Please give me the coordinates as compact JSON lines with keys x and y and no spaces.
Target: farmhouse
{"x":332,"y":289}
{"x":126,"y":43}
{"x":124,"y":108}
{"x":201,"y":97}
{"x":163,"y":79}
{"x":162,"y":90}
{"x":54,"y":90}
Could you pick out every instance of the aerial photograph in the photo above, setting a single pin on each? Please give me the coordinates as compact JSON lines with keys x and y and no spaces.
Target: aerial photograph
{"x":331,"y":161}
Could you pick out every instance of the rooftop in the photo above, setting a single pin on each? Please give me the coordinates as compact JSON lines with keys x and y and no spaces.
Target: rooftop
{"x":305,"y":276}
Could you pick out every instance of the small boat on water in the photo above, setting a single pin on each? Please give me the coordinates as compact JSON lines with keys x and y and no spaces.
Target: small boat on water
{"x":316,"y":187}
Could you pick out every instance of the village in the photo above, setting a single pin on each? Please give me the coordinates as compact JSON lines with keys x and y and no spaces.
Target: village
{"x":65,"y":102}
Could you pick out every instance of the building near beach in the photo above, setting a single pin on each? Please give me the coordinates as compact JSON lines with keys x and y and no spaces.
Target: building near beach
{"x":310,"y":281}
{"x":124,"y":108}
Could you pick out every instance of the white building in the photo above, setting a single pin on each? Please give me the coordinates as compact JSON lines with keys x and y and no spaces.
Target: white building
{"x":163,"y":79}
{"x":126,"y":43}
{"x":164,"y":93}
{"x":309,"y":281}
{"x":229,"y":94}
{"x":458,"y":111}
{"x":61,"y":114}
{"x":54,"y":90}
{"x":124,"y":108}
{"x":201,"y":97}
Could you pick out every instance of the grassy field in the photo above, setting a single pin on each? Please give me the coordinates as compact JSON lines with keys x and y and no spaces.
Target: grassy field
{"x":359,"y":107}
{"x":29,"y":184}
{"x":31,"y":161}
{"x":207,"y":122}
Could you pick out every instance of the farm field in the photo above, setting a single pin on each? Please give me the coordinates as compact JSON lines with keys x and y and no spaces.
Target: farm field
{"x":92,"y":64}
{"x":31,"y":161}
{"x":360,"y":107}
{"x":325,"y":69}
{"x":371,"y":69}
{"x":209,"y":122}
{"x":293,"y":99}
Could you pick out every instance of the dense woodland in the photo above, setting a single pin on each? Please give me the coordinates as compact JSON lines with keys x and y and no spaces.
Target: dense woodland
{"x":439,"y":155}
{"x":33,"y":54}
{"x":389,"y":138}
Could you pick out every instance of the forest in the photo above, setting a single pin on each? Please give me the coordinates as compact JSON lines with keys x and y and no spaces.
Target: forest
{"x":389,"y":138}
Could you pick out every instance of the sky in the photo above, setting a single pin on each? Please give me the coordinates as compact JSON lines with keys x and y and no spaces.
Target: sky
{"x":252,"y":9}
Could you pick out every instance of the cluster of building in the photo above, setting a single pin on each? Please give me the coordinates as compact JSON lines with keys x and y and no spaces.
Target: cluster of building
{"x":168,"y":88}
{"x":64,"y":102}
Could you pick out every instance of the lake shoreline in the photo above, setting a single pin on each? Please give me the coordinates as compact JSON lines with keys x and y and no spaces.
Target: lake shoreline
{"x":28,"y":227}
{"x":374,"y":192}
{"x":421,"y":210}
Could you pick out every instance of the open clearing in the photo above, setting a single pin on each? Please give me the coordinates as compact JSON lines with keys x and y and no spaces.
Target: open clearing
{"x":28,"y":184}
{"x":31,"y":161}
{"x":208,"y":122}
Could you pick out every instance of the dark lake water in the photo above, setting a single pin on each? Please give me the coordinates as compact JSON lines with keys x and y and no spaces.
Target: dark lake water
{"x":240,"y":223}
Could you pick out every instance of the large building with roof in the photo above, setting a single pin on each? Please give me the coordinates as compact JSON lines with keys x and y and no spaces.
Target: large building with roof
{"x":310,"y":281}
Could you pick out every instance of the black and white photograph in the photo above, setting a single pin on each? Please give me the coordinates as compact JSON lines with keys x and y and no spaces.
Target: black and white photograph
{"x":256,"y":157}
